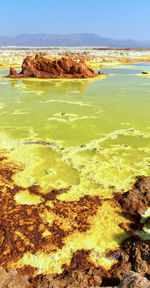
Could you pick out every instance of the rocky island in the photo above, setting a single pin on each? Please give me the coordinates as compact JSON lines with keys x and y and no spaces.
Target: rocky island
{"x":43,"y":68}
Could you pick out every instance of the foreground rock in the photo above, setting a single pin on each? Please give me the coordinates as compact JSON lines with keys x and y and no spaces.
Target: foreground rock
{"x":138,"y":255}
{"x":133,"y":280}
{"x":12,"y":279}
{"x":130,"y":279}
{"x":135,"y":201}
{"x":41,"y":67}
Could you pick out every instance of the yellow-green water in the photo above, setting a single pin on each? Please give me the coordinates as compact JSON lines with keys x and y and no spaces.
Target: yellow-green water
{"x":99,"y":132}
{"x":108,"y":116}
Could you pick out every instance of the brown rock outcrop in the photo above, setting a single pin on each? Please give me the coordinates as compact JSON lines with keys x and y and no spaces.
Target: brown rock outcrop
{"x":135,"y":201}
{"x":80,"y":273}
{"x":71,"y":280}
{"x":133,"y":280}
{"x":138,"y":252}
{"x":12,"y":279}
{"x":41,"y":67}
{"x":13,"y":72}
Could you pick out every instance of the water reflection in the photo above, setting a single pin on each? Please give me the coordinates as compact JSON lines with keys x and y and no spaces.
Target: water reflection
{"x":50,"y":87}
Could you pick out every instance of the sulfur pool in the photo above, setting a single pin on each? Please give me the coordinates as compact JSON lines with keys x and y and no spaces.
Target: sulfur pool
{"x":84,"y":138}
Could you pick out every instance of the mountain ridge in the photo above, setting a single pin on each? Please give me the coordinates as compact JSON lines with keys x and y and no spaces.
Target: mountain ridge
{"x":69,"y":40}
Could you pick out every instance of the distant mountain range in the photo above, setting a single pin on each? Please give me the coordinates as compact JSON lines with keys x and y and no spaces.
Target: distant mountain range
{"x":70,"y":40}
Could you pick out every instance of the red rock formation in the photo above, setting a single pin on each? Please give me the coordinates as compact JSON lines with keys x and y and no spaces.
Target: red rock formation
{"x":41,"y":67}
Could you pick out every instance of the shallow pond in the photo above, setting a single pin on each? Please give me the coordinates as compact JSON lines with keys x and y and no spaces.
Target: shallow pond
{"x":109,"y":116}
{"x":95,"y":139}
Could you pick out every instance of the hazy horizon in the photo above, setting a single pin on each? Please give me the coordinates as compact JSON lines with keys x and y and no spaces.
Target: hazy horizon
{"x":109,"y":19}
{"x":74,"y":33}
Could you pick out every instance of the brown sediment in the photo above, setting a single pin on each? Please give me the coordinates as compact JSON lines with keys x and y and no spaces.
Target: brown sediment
{"x":43,"y":68}
{"x":22,"y":226}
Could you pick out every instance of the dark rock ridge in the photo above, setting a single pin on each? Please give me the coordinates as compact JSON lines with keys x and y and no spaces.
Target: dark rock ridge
{"x":41,"y":67}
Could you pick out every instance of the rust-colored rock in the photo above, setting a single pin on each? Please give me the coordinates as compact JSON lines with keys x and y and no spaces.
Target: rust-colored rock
{"x":13,"y":72}
{"x":41,"y":67}
{"x":135,"y":201}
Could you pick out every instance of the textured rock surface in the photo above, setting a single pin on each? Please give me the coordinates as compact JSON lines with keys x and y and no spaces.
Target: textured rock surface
{"x":72,"y":280}
{"x":138,"y":251}
{"x":80,"y":273}
{"x":133,"y":280}
{"x":130,"y":279}
{"x":12,"y":279}
{"x":135,"y":201}
{"x":80,"y":279}
{"x":41,"y":67}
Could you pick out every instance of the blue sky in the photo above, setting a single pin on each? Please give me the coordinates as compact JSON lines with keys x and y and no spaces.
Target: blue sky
{"x":118,"y":19}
